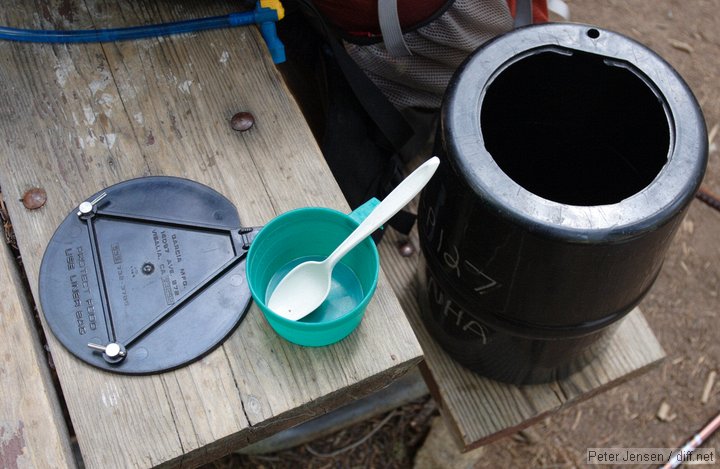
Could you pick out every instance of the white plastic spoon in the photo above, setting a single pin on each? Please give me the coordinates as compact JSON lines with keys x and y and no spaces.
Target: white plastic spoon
{"x":307,"y":285}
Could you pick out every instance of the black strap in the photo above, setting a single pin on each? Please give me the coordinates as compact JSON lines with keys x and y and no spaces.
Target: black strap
{"x":388,"y":119}
{"x":370,"y":166}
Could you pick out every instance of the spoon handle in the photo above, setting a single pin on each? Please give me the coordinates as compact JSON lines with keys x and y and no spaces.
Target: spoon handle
{"x":391,"y":205}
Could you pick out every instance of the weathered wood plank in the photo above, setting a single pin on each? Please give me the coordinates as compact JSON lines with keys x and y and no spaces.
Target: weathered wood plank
{"x":479,"y":410}
{"x":79,"y":118}
{"x":33,"y":432}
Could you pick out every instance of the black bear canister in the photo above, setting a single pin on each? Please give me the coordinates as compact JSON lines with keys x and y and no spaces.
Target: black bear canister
{"x":570,"y":154}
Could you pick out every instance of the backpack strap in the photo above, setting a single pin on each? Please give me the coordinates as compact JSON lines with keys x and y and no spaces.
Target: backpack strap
{"x":523,"y":13}
{"x":559,"y":7}
{"x":388,"y":119}
{"x":390,"y":28}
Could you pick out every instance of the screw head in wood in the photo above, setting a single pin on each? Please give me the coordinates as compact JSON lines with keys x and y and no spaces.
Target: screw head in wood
{"x":242,"y":121}
{"x":406,"y":249}
{"x":34,"y":198}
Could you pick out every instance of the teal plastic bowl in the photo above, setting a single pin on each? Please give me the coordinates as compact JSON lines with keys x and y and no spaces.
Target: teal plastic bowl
{"x":312,"y":234}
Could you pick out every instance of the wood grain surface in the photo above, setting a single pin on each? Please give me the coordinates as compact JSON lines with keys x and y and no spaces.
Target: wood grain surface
{"x":33,"y":432}
{"x":77,"y":118}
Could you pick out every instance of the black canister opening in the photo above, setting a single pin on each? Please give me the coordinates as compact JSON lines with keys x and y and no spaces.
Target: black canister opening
{"x":575,"y":128}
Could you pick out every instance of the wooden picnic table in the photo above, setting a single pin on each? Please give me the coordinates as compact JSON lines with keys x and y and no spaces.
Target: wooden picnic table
{"x":78,"y":118}
{"x":75,"y":119}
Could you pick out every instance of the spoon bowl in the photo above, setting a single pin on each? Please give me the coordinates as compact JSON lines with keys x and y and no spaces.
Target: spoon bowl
{"x":310,"y":276}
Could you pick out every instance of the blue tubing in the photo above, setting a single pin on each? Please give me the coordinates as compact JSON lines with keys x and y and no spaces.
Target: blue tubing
{"x":274,"y":45}
{"x":259,"y":16}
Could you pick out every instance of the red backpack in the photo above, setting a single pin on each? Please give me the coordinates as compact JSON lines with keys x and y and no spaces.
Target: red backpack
{"x":359,"y":18}
{"x":383,"y":84}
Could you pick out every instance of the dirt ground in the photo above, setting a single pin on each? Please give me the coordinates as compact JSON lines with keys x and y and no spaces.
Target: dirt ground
{"x":682,"y":307}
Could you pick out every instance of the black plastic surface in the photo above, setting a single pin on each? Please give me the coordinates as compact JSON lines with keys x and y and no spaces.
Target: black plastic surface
{"x":157,"y":267}
{"x":570,"y":156}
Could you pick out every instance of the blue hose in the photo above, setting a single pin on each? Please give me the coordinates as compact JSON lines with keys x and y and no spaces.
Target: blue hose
{"x":265,"y":17}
